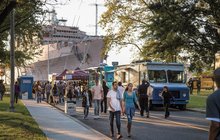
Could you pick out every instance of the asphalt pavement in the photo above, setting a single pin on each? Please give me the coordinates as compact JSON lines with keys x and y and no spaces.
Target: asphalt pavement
{"x":181,"y":125}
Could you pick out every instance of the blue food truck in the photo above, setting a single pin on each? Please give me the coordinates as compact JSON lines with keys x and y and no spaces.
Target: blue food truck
{"x":170,"y":75}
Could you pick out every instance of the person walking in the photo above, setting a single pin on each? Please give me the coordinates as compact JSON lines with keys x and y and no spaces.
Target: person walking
{"x":114,"y":100}
{"x":130,"y":99}
{"x":190,"y":84}
{"x":86,"y":102}
{"x":48,"y":88}
{"x":213,"y":108}
{"x":60,"y":91}
{"x":55,"y":94}
{"x":38,"y":90}
{"x":104,"y":101}
{"x":121,"y":89}
{"x":43,"y":90}
{"x":143,"y":98}
{"x":97,"y":92}
{"x":2,"y":90}
{"x":166,"y":95}
{"x":69,"y":91}
{"x":198,"y":84}
{"x":17,"y":91}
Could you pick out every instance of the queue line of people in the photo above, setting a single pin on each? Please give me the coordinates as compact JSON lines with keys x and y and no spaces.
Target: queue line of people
{"x":57,"y":92}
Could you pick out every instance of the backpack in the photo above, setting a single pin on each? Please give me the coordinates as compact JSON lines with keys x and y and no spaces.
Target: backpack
{"x":84,"y":101}
{"x":36,"y":88}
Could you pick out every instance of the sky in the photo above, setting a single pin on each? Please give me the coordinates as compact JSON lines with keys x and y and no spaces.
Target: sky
{"x":81,"y":13}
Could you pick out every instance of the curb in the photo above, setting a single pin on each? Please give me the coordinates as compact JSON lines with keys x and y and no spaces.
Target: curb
{"x":195,"y":110}
{"x":81,"y":123}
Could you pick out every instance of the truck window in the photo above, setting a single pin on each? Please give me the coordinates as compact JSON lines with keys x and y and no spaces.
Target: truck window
{"x":157,"y":76}
{"x":175,"y":76}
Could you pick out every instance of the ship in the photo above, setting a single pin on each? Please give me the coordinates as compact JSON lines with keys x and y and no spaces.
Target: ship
{"x":65,"y":47}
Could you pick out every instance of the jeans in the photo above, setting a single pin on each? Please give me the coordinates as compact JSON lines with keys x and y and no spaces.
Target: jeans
{"x":96,"y":107}
{"x":117,"y":115}
{"x":143,"y":100}
{"x":1,"y":96}
{"x":86,"y":111}
{"x":130,"y":111}
{"x":38,"y":97}
{"x":166,"y":107}
{"x":104,"y":108}
{"x":48,"y":96}
{"x":16,"y":97}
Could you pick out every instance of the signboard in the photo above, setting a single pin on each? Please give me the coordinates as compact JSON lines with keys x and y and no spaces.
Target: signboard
{"x":70,"y":107}
{"x":26,"y":81}
{"x":114,"y":63}
{"x":69,"y":77}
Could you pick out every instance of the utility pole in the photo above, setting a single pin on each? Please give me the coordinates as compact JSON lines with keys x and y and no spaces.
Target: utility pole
{"x":12,"y":59}
{"x":96,"y":19}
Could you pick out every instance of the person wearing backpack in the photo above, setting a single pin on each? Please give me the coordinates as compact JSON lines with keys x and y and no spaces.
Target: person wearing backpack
{"x":129,"y":101}
{"x":143,"y":98}
{"x":48,"y":88}
{"x":55,"y":94}
{"x":2,"y":89}
{"x":38,"y":91}
{"x":17,"y":91}
{"x":86,"y":102}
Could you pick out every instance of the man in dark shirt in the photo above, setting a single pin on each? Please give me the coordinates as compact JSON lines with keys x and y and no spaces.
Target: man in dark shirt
{"x":198,"y":86}
{"x":213,"y":109}
{"x":143,"y":98}
{"x":105,"y":92}
{"x":190,"y":84}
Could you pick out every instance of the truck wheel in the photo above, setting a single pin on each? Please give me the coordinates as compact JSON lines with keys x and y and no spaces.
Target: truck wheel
{"x":182,"y":107}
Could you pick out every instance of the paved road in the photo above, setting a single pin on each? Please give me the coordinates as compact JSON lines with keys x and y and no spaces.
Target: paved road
{"x":182,"y":125}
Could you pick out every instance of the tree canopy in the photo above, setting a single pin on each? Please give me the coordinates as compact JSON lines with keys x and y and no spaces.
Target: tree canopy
{"x":27,"y":31}
{"x":29,"y":18}
{"x":165,"y":30}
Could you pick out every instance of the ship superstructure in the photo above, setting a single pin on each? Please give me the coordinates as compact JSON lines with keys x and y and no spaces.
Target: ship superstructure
{"x":65,"y":47}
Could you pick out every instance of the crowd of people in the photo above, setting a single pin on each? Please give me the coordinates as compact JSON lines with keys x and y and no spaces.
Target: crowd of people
{"x":119,"y":101}
{"x":55,"y":93}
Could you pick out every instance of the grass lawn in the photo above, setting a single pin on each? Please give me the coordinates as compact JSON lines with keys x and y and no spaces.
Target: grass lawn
{"x":197,"y":101}
{"x":18,"y":125}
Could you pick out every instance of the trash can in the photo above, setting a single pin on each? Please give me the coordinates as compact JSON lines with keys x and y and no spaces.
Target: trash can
{"x":70,"y":107}
{"x":26,"y":85}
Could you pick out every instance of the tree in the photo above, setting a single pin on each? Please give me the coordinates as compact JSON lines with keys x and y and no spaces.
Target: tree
{"x":27,"y":31}
{"x":29,"y":18}
{"x":163,"y":30}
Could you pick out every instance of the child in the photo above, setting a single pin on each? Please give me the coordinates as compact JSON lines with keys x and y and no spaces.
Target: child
{"x":86,"y":102}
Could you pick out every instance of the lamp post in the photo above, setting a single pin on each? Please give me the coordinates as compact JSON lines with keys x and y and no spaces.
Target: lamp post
{"x":12,"y":59}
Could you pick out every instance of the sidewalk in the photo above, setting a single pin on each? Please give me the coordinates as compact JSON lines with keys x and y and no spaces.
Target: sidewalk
{"x":58,"y":126}
{"x":201,"y":110}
